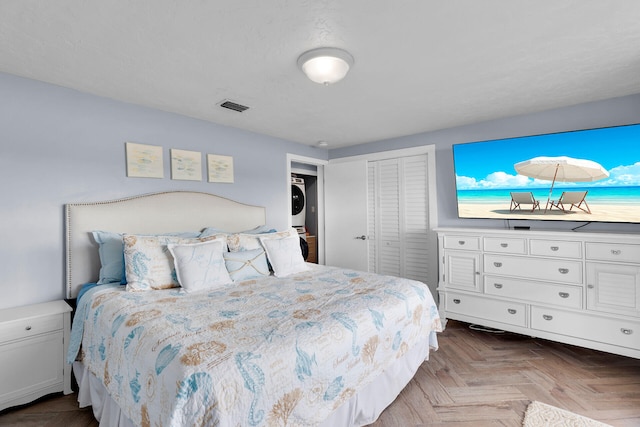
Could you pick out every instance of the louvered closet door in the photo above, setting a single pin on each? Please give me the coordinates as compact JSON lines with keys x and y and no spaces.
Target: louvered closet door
{"x":398,"y":227}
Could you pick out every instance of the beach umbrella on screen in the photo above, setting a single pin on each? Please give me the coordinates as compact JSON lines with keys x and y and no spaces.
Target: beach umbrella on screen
{"x":563,"y":169}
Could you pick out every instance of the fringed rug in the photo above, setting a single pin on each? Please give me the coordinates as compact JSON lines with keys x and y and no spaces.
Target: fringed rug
{"x":542,"y":415}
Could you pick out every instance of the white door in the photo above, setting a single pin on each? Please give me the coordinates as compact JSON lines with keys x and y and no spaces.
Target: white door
{"x":357,"y":204}
{"x":346,"y":214}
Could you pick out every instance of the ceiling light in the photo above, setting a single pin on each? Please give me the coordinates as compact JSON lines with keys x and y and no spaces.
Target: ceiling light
{"x":325,"y":65}
{"x":322,"y":143}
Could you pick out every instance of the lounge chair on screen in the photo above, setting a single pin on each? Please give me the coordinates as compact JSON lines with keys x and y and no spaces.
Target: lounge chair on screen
{"x":524,"y":198}
{"x":572,"y":199}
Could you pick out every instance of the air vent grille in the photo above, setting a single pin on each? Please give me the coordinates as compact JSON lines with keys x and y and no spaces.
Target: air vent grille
{"x":233,"y":106}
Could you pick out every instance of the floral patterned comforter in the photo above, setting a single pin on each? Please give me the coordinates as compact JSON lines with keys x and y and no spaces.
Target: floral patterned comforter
{"x":273,"y":351}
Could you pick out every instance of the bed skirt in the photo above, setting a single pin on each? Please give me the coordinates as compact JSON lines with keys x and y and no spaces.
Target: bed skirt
{"x":362,"y":409}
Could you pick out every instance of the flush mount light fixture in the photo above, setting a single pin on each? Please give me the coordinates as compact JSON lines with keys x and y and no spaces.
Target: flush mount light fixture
{"x":325,"y":65}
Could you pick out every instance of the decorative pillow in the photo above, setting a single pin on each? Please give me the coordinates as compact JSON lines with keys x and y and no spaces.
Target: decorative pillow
{"x":246,"y":265}
{"x":201,"y":265}
{"x":111,"y":252}
{"x":149,"y":263}
{"x":248,"y":241}
{"x":284,"y":255}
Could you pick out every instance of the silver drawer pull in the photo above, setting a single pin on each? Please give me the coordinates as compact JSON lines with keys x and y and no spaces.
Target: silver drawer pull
{"x":564,"y":294}
{"x":590,"y":286}
{"x":456,"y":301}
{"x":504,"y":245}
{"x":547,"y":317}
{"x":461,"y":242}
{"x":563,"y":270}
{"x":626,"y":331}
{"x":28,"y":328}
{"x":616,"y":251}
{"x":554,"y":248}
{"x":498,"y":285}
{"x":497,"y":264}
{"x":511,"y":311}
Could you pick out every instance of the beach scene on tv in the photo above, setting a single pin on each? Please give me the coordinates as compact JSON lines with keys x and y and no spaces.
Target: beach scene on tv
{"x":590,"y":175}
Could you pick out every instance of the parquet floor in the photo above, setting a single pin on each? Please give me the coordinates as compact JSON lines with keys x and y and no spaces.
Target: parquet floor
{"x":484,"y":379}
{"x":475,"y":379}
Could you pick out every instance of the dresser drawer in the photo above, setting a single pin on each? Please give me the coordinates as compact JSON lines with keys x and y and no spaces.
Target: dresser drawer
{"x":555,"y":248}
{"x":23,"y":328}
{"x":486,"y":308}
{"x":561,"y":295}
{"x":613,"y":252}
{"x":470,"y":243}
{"x":556,"y":270}
{"x":624,"y":333}
{"x":504,"y":245}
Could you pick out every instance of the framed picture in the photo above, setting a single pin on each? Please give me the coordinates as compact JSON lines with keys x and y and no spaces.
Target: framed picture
{"x":220,"y":168}
{"x":186,"y":165}
{"x":144,"y":161}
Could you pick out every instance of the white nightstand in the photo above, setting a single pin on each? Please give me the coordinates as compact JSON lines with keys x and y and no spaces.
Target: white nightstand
{"x":33,"y":346}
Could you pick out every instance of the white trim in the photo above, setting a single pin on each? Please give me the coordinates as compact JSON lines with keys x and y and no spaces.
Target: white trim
{"x":390,"y":154}
{"x":429,"y":150}
{"x":298,"y":171}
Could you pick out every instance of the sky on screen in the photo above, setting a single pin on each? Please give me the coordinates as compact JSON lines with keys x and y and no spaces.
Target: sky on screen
{"x":490,"y":164}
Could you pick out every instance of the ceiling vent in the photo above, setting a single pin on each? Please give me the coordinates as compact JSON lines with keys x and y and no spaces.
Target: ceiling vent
{"x":230,"y":105}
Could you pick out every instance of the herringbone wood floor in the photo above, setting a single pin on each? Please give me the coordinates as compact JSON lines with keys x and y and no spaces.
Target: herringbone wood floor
{"x":474,"y":379}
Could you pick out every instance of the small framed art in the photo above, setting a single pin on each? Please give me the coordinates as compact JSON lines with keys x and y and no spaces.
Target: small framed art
{"x":144,"y":161}
{"x":186,"y":165}
{"x":220,"y":168}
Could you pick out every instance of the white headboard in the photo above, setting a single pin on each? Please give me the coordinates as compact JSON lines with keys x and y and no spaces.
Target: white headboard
{"x":173,"y":211}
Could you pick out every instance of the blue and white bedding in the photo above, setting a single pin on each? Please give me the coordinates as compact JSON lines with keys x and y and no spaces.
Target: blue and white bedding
{"x":268,"y":351}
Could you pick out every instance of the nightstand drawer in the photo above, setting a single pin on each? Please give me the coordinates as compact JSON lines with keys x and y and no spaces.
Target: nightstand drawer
{"x":504,"y":245}
{"x":462,"y":242}
{"x":24,"y":328}
{"x":556,"y":248}
{"x":530,"y":291}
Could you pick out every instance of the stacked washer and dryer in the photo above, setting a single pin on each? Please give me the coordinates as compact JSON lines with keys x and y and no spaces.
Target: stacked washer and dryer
{"x":298,"y":203}
{"x":299,"y":211}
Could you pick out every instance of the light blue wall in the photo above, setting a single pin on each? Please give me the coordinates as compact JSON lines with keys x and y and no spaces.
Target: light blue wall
{"x":612,"y":112}
{"x":60,"y":146}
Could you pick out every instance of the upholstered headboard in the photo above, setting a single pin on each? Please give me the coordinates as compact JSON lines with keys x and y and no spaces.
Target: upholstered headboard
{"x":174,"y":211}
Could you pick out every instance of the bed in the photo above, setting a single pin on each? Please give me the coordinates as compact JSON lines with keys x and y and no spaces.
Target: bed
{"x":253,"y":336}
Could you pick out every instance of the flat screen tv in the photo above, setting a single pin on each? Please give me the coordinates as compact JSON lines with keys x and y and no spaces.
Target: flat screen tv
{"x":588,"y":175}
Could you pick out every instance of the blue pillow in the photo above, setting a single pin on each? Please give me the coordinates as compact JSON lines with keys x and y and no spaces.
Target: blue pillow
{"x":210,"y":231}
{"x":111,"y":252}
{"x":246,"y":265}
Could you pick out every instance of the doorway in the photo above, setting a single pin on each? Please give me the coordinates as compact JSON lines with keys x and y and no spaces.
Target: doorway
{"x":311,"y":172}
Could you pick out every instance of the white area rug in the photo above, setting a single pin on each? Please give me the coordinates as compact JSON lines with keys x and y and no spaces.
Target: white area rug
{"x":542,"y":415}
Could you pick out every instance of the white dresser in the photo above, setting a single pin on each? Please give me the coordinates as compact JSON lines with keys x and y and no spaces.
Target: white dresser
{"x":572,"y":287}
{"x":33,"y":344}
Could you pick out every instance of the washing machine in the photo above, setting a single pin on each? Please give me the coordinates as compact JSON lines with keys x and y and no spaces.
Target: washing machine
{"x":298,"y":203}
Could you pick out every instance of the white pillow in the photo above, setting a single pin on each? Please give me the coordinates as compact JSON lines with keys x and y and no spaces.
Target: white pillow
{"x":201,"y":265}
{"x":148,"y":262}
{"x":284,"y":255}
{"x":239,"y":242}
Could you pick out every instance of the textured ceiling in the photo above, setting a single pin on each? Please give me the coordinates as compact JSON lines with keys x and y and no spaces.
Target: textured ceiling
{"x":419,"y":65}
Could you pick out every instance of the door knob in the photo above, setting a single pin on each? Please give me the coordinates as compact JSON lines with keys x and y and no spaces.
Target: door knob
{"x":363,"y":237}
